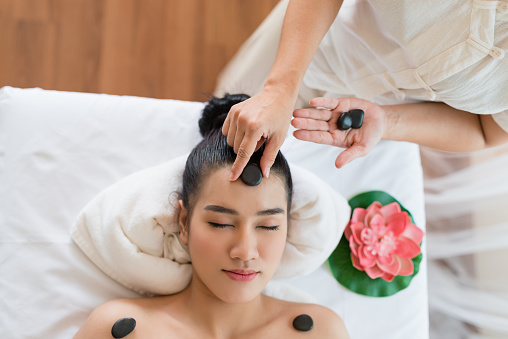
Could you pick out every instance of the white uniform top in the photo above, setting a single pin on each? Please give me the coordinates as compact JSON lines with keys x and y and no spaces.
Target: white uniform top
{"x":392,"y":51}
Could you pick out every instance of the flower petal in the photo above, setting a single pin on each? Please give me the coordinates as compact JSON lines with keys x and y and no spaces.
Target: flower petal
{"x":356,"y":262}
{"x":359,"y":214}
{"x":390,"y":209}
{"x":414,"y":233}
{"x":387,"y":277}
{"x":386,"y":260}
{"x":375,"y":206}
{"x":369,"y":216}
{"x":373,"y":272}
{"x":392,"y":269}
{"x":377,"y":221}
{"x":356,"y":229}
{"x":353,"y":245}
{"x":372,"y":210}
{"x":397,"y":223}
{"x":366,"y":258}
{"x":406,"y":266}
{"x":407,"y":248}
{"x":347,"y":230}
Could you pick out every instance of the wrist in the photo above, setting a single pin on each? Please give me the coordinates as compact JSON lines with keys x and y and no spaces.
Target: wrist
{"x":392,"y":121}
{"x":288,"y":85}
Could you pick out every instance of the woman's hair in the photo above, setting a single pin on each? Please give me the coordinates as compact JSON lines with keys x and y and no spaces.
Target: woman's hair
{"x":213,"y":152}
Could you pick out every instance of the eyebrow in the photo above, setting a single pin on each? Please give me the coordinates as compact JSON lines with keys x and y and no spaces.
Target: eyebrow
{"x":224,"y":210}
{"x":271,"y":211}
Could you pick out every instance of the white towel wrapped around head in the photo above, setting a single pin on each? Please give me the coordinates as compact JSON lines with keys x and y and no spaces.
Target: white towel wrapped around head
{"x":130,"y":230}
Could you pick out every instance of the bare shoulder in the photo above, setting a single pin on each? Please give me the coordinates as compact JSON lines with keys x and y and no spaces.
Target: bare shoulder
{"x":100,"y":322}
{"x":326,"y":323}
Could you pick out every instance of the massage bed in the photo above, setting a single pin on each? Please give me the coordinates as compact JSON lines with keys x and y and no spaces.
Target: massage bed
{"x":58,"y":150}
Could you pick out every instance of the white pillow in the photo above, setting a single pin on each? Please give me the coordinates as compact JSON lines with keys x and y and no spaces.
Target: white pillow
{"x":130,"y":230}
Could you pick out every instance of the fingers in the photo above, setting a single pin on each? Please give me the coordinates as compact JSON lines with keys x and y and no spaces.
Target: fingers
{"x":245,"y":137}
{"x":341,"y":104}
{"x":239,"y":137}
{"x":347,"y":104}
{"x":318,"y":137}
{"x":269,"y":154}
{"x":318,"y":125}
{"x":310,"y":124}
{"x":249,"y":123}
{"x":313,"y":113}
{"x":230,"y":126}
{"x":236,"y":129}
{"x":225,"y":126}
{"x":328,"y":103}
{"x":350,"y":154}
{"x":247,"y":147}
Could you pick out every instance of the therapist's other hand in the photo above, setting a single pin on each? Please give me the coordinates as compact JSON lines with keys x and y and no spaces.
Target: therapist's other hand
{"x":319,"y":125}
{"x":265,"y":116}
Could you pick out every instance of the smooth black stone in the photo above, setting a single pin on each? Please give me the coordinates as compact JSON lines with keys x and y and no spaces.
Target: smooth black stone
{"x":123,"y":327}
{"x":251,"y":175}
{"x":303,"y":323}
{"x":356,"y":118}
{"x":344,"y":121}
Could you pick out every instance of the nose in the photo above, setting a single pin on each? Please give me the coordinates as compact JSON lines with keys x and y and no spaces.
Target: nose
{"x":244,"y":245}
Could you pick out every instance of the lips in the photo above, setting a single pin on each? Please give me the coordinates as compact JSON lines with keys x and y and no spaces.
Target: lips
{"x":241,"y":275}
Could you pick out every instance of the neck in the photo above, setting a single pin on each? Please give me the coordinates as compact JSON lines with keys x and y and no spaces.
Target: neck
{"x":218,"y":318}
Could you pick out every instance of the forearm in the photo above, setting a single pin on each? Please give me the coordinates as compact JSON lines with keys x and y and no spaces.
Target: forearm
{"x":442,"y":127}
{"x":305,"y":24}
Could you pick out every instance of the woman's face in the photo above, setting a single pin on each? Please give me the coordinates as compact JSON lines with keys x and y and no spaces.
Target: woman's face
{"x":236,"y":235}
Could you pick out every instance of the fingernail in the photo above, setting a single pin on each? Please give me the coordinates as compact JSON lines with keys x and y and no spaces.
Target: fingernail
{"x":267,"y":171}
{"x":231,"y":176}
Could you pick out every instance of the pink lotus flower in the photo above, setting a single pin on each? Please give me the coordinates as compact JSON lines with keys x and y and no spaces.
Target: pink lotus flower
{"x":383,"y":241}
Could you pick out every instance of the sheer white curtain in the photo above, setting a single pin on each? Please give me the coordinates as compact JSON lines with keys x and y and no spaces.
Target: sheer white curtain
{"x":467,"y":239}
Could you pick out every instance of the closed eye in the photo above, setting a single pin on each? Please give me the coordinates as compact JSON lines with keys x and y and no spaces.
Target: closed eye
{"x":269,"y":228}
{"x":216,"y":225}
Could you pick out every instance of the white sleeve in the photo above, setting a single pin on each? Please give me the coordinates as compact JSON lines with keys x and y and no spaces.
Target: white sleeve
{"x":502,"y":120}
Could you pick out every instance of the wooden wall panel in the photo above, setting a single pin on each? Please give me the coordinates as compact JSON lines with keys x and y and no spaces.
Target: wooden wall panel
{"x":153,"y":48}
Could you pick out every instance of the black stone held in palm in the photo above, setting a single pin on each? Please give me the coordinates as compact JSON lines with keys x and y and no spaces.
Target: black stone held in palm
{"x":357,"y":118}
{"x":344,"y":121}
{"x":351,"y":119}
{"x":251,"y":175}
{"x":123,"y":327}
{"x":303,"y":323}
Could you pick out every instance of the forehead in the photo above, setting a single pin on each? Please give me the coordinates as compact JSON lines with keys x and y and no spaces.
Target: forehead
{"x":218,"y":190}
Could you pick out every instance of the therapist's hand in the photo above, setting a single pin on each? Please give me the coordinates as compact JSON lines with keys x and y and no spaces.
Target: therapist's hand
{"x":319,"y":125}
{"x":265,"y":116}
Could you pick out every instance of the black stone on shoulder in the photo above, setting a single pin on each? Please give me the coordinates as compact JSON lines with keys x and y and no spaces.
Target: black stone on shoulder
{"x":123,"y":327}
{"x":344,"y":121}
{"x":356,"y":118}
{"x":251,"y":175}
{"x":303,"y":323}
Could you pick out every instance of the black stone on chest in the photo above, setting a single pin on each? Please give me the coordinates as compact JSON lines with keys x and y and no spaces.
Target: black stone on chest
{"x":123,"y":327}
{"x":303,"y":323}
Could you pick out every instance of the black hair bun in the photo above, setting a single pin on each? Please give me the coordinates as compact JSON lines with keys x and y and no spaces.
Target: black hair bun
{"x":216,"y":111}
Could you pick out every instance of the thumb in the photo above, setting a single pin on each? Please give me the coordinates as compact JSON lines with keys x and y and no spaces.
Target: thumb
{"x":269,"y":154}
{"x":350,"y":154}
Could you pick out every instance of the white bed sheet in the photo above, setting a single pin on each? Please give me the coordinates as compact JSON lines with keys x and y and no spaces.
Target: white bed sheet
{"x":59,"y":149}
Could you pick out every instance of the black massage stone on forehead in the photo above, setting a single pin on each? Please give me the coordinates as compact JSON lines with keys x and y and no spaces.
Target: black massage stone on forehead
{"x":251,"y":175}
{"x":123,"y":327}
{"x":351,"y":119}
{"x":303,"y":323}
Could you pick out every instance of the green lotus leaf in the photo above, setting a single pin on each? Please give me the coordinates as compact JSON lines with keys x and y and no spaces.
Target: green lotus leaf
{"x":341,"y":264}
